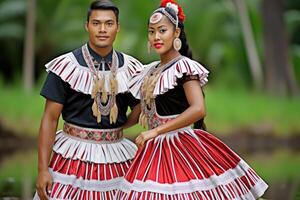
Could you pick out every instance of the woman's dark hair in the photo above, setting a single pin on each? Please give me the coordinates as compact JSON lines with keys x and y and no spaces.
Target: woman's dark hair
{"x":185,"y":51}
{"x":103,"y":5}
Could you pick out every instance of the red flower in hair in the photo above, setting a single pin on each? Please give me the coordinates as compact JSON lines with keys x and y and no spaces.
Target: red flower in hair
{"x":181,"y":15}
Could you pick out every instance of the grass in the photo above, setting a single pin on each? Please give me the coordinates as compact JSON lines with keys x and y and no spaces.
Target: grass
{"x":230,"y":109}
{"x":21,"y":111}
{"x":226,"y":110}
{"x":277,"y":166}
{"x":17,"y":170}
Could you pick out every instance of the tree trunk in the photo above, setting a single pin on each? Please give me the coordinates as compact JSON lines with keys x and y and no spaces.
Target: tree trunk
{"x":253,"y":59}
{"x":280,"y":79}
{"x":28,"y":54}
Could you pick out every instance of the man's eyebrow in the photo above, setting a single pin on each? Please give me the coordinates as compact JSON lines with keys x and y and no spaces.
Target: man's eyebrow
{"x":103,"y":21}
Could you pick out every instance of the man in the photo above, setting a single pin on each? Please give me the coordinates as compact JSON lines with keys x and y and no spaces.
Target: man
{"x":90,"y":88}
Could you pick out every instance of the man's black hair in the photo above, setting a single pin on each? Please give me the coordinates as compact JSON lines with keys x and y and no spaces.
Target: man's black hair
{"x":103,"y":5}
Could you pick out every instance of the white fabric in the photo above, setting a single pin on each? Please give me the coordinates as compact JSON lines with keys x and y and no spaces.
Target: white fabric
{"x":168,"y":78}
{"x":83,"y":185}
{"x":194,"y":185}
{"x":80,"y":77}
{"x":253,"y":194}
{"x":90,"y":185}
{"x":85,"y":150}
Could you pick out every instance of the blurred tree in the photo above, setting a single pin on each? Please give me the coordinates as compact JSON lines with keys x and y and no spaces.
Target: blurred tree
{"x":250,"y":45}
{"x":280,"y":78}
{"x":215,"y":36}
{"x":60,"y":28}
{"x":132,"y":38}
{"x":213,"y":31}
{"x":28,"y":54}
{"x":11,"y":36}
{"x":292,"y":19}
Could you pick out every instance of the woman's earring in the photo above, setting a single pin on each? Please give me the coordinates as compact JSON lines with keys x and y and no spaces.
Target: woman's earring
{"x":149,"y":47}
{"x":177,"y":44}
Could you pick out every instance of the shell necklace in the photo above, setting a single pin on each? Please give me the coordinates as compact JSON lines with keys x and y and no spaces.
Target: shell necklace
{"x":104,"y":102}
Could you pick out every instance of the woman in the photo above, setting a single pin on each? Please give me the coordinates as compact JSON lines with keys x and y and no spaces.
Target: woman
{"x":175,"y":161}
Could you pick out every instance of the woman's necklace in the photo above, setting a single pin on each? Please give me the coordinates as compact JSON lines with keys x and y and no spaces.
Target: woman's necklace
{"x":104,"y":103}
{"x":147,"y":89}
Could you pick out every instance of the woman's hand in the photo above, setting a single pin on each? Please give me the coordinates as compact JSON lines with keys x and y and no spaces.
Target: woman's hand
{"x":145,"y":136}
{"x":44,"y":184}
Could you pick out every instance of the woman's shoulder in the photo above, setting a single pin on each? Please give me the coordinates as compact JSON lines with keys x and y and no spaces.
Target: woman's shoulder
{"x":183,"y":67}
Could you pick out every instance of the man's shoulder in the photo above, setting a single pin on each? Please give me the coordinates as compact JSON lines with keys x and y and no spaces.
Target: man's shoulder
{"x":72,"y":53}
{"x":77,"y":52}
{"x":128,"y":56}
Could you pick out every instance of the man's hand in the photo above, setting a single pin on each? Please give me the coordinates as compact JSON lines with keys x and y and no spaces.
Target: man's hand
{"x":44,"y":184}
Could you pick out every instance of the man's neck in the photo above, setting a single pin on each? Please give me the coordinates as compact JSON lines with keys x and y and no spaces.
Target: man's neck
{"x":103,"y":52}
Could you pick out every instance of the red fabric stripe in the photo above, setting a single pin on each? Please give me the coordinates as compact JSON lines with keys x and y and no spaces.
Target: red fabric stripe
{"x":87,"y":170}
{"x":57,"y":64}
{"x":71,"y":73}
{"x":188,"y":154}
{"x":177,"y":67}
{"x":87,"y":79}
{"x":189,"y":71}
{"x":74,"y":86}
{"x":130,"y":71}
{"x":63,"y":68}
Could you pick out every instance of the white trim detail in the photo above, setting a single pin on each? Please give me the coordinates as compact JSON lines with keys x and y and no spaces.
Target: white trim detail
{"x":252,"y":194}
{"x":210,"y":183}
{"x":80,"y":78}
{"x":83,"y":184}
{"x":89,"y":151}
{"x":168,"y":78}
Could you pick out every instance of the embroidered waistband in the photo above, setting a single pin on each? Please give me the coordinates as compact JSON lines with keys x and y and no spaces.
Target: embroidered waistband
{"x":97,"y":135}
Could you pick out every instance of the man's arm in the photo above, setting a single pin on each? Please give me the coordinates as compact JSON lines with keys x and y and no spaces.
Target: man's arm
{"x":46,"y":139}
{"x":133,"y":117}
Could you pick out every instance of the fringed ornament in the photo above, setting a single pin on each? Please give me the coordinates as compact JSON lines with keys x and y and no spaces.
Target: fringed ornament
{"x":113,"y":114}
{"x":104,"y":103}
{"x":147,"y":89}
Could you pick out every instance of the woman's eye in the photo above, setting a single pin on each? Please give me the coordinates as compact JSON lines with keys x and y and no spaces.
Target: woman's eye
{"x":162,"y":30}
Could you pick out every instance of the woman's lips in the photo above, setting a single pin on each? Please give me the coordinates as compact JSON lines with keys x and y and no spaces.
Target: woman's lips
{"x":158,"y":45}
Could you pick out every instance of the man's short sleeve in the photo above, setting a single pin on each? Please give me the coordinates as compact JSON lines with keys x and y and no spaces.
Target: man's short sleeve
{"x":55,"y":89}
{"x":132,"y":102}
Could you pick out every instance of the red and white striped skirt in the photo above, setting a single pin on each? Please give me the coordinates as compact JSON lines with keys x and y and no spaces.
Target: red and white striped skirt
{"x":189,"y":164}
{"x":89,"y":163}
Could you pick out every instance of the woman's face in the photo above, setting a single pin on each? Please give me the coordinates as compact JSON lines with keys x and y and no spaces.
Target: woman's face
{"x":161,"y":35}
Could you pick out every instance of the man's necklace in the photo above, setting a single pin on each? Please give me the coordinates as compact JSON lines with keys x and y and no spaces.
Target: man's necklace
{"x":104,"y":103}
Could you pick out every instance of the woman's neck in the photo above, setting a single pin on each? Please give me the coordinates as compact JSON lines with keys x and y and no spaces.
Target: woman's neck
{"x":168,"y":56}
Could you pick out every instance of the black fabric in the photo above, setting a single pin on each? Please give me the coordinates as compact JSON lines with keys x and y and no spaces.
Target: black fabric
{"x":174,"y":101}
{"x":55,"y":89}
{"x":78,"y":106}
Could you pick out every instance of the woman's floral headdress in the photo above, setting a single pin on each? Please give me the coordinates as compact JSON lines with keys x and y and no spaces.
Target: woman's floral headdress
{"x":164,"y":6}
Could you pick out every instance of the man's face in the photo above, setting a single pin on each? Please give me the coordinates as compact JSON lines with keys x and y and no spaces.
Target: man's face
{"x":102,"y":28}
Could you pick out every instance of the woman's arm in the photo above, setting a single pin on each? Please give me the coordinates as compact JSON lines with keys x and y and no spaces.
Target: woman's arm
{"x":46,"y":139}
{"x":193,"y":113}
